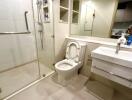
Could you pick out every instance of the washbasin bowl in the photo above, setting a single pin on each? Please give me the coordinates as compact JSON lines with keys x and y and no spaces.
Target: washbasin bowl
{"x":108,"y":54}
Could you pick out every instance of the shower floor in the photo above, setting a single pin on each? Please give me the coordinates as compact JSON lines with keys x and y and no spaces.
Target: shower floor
{"x":44,"y":70}
{"x":17,"y":78}
{"x":48,"y":89}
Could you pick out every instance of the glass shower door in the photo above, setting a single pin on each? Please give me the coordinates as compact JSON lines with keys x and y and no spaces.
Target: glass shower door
{"x":45,"y":35}
{"x":18,"y":53}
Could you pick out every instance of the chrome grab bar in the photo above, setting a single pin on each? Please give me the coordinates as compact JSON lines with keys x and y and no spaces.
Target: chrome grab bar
{"x":24,"y":32}
{"x":26,"y":21}
{"x":111,"y":73}
{"x":5,"y":33}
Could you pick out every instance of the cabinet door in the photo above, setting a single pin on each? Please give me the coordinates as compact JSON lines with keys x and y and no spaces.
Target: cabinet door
{"x":112,"y":71}
{"x":100,"y":72}
{"x":89,"y":17}
{"x":121,"y":81}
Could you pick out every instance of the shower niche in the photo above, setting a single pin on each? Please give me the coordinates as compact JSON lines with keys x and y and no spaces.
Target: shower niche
{"x":46,"y":11}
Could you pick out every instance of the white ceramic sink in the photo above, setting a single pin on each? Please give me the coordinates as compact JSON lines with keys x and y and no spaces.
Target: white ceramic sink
{"x":108,"y":54}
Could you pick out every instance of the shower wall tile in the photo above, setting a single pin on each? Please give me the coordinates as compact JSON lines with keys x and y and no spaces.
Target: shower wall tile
{"x":16,"y":50}
{"x":20,"y":25}
{"x":7,"y":26}
{"x":6,"y":52}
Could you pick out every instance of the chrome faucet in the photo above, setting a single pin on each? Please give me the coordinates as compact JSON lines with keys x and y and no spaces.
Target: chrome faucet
{"x":121,"y":40}
{"x":118,"y":46}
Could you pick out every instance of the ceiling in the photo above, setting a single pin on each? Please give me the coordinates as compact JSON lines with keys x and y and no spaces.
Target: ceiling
{"x":124,"y":0}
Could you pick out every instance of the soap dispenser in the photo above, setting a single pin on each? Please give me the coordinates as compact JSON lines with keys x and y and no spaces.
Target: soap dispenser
{"x":129,"y":40}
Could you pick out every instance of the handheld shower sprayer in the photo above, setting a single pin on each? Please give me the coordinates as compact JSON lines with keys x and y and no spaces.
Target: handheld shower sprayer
{"x":40,"y":22}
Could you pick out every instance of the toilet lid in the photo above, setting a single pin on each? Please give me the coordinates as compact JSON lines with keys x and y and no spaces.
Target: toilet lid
{"x":72,"y":52}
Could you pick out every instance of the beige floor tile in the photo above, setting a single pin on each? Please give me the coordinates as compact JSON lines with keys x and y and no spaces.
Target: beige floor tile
{"x":48,"y":89}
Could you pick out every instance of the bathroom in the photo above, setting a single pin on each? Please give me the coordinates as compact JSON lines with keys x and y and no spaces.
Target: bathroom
{"x":65,"y":50}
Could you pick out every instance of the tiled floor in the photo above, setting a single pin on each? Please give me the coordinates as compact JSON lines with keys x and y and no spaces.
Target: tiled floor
{"x":48,"y":89}
{"x":15,"y":79}
{"x":44,"y":70}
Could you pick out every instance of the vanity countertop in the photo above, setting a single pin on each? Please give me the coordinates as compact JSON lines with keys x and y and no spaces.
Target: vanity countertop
{"x":104,"y":41}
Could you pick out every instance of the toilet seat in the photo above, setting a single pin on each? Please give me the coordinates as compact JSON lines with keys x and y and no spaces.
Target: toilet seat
{"x":65,"y":65}
{"x":72,"y":58}
{"x":72,"y":51}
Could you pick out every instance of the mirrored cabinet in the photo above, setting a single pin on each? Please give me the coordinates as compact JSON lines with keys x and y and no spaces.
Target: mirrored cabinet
{"x":72,"y":6}
{"x":64,"y":10}
{"x":75,"y":11}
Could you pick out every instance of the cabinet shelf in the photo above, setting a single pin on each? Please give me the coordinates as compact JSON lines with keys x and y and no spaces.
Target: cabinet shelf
{"x":64,"y":11}
{"x":74,"y":11}
{"x":75,"y":17}
{"x":64,"y":3}
{"x":63,"y":15}
{"x":62,"y":7}
{"x":76,"y":5}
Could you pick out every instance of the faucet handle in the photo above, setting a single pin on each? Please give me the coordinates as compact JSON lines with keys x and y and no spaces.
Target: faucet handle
{"x":122,"y":39}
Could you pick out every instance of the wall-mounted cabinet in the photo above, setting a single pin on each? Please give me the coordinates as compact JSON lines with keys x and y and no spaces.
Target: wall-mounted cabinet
{"x":75,"y":11}
{"x":46,"y":11}
{"x":64,"y":10}
{"x":63,"y":14}
{"x":76,"y":5}
{"x":64,"y":3}
{"x":75,"y":17}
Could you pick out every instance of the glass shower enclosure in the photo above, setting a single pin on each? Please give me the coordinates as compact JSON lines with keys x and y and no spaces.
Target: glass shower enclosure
{"x":25,"y":54}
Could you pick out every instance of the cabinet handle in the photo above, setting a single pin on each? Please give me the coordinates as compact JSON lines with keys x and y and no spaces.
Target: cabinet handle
{"x":111,"y":73}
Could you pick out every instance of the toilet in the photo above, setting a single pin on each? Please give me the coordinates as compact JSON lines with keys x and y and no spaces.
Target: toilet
{"x":68,"y":68}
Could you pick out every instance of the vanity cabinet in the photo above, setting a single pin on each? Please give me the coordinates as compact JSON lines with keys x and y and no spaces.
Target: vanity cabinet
{"x":112,"y":66}
{"x":114,"y":72}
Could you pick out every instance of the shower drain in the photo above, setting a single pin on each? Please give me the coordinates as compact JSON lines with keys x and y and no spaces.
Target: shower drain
{"x":43,"y":75}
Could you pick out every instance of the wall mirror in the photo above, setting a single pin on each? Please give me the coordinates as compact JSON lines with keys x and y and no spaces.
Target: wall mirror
{"x":123,"y":18}
{"x":100,"y":18}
